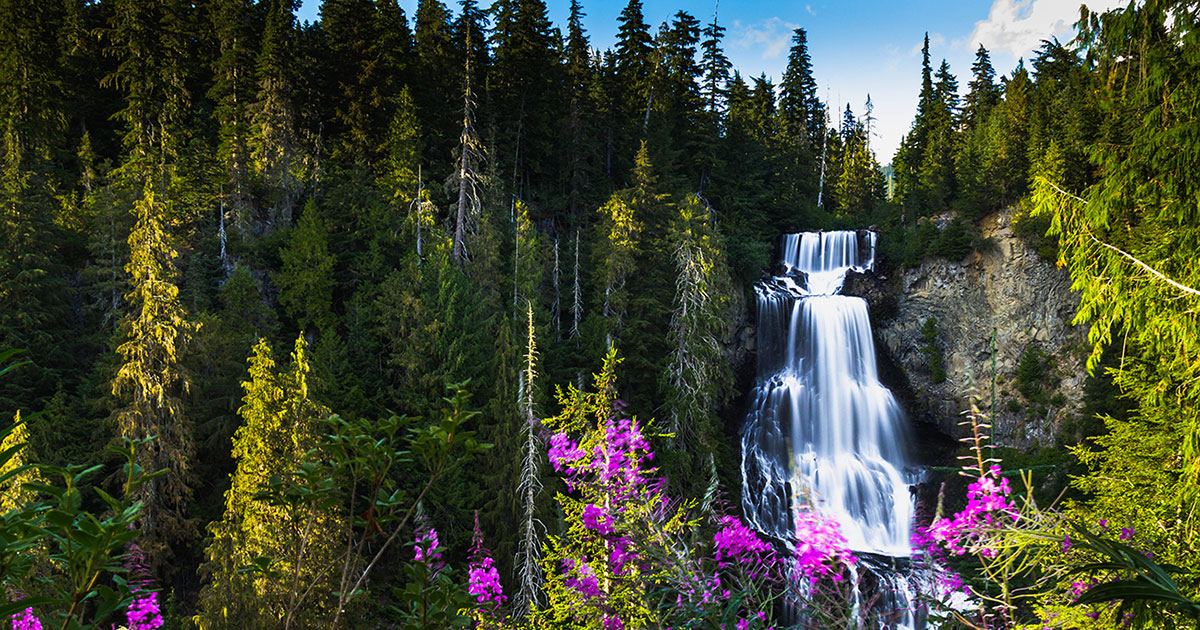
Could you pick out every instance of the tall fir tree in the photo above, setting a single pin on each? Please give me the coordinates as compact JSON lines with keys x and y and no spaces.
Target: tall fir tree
{"x":231,"y":91}
{"x":274,"y":148}
{"x":279,"y":427}
{"x":152,"y":383}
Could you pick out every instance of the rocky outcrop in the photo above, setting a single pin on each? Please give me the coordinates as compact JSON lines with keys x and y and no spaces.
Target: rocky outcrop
{"x":1008,"y":291}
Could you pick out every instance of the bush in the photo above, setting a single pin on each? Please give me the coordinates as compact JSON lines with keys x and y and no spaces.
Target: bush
{"x":955,"y":242}
{"x":933,"y":350}
{"x":1032,"y":373}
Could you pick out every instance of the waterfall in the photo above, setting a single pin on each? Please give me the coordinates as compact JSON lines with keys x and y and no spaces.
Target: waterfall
{"x":821,"y":427}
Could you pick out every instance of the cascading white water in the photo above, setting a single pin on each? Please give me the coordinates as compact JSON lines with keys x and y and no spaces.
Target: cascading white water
{"x":822,"y":427}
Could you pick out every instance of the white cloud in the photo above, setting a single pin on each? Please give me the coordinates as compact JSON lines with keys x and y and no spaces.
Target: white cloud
{"x":1018,"y":26}
{"x":771,"y":36}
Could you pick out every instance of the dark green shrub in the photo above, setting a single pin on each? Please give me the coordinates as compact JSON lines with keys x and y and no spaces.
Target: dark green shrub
{"x":933,"y":350}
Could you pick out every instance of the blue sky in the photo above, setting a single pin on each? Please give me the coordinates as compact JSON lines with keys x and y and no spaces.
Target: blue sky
{"x":857,"y":47}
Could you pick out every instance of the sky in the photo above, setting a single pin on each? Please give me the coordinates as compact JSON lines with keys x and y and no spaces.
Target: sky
{"x":857,"y":47}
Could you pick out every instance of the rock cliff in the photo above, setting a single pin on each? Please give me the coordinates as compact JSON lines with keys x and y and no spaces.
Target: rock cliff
{"x":946,"y":313}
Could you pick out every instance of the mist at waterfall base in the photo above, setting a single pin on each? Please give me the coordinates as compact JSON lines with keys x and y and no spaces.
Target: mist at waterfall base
{"x":821,"y":428}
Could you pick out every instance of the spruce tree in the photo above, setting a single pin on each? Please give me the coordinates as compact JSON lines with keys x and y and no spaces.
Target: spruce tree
{"x":799,"y":108}
{"x":982,"y":92}
{"x":436,"y":79}
{"x":152,"y":382}
{"x":351,"y":28}
{"x":306,"y":281}
{"x":231,"y":90}
{"x":279,"y":427}
{"x":697,"y":373}
{"x":274,"y":150}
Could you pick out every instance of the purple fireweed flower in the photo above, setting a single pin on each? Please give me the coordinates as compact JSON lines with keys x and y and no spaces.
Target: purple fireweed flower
{"x":738,"y":545}
{"x":144,"y":613}
{"x":26,"y":621}
{"x":988,"y":508}
{"x":821,"y":550}
{"x":1127,"y":533}
{"x":425,"y":546}
{"x":581,"y":578}
{"x":612,"y":622}
{"x":564,"y":452}
{"x":621,"y":555}
{"x":594,"y":518}
{"x":483,"y":580}
{"x":484,"y":584}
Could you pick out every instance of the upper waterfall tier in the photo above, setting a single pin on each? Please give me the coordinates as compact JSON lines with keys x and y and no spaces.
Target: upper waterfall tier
{"x":815,"y":263}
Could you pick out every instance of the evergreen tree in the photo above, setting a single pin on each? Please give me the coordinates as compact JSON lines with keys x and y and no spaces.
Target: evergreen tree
{"x":306,"y":279}
{"x":713,"y":86}
{"x":231,"y":91}
{"x":467,"y":174}
{"x":351,"y":29}
{"x":697,"y":373}
{"x":152,"y":382}
{"x":716,"y":67}
{"x":801,"y":113}
{"x":1130,"y":241}
{"x":982,"y":94}
{"x":279,"y":428}
{"x":581,"y":124}
{"x":911,"y":155}
{"x":150,"y":40}
{"x":274,"y":157}
{"x":632,"y":74}
{"x":435,"y":79}
{"x":524,"y":93}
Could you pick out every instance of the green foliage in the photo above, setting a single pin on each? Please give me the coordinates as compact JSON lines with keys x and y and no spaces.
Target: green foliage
{"x":153,"y":381}
{"x":1032,"y":228}
{"x":1129,"y":241}
{"x":934,"y":359}
{"x":1033,"y":375}
{"x":58,"y":556}
{"x":280,"y":427}
{"x":955,"y":241}
{"x":306,"y":280}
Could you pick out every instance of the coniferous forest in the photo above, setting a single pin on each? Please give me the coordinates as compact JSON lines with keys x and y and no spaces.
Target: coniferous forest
{"x":436,"y":320}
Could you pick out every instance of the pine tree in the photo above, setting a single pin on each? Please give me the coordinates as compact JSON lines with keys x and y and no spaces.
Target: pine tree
{"x":580,"y":131}
{"x":467,"y":175}
{"x":435,"y":78}
{"x":697,"y":372}
{"x":799,"y":108}
{"x":153,"y":382}
{"x":149,"y":37}
{"x":982,"y":94}
{"x":911,"y":155}
{"x":306,"y":281}
{"x":274,"y":158}
{"x":529,"y":572}
{"x":351,"y":29}
{"x":231,"y":91}
{"x":716,"y":67}
{"x":279,"y":428}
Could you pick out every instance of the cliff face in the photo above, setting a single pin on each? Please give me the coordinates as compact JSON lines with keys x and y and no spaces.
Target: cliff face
{"x":946,"y":313}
